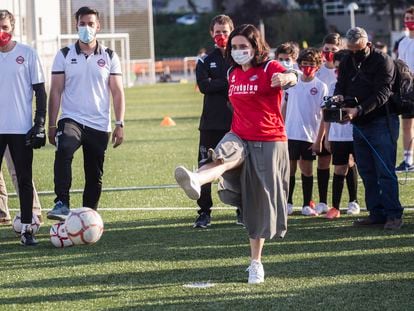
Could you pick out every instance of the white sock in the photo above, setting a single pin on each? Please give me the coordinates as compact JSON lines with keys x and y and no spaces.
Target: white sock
{"x":408,"y":156}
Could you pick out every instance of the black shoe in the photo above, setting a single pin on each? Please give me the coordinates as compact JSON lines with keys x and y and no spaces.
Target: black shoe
{"x":28,"y":239}
{"x":367,"y":222}
{"x":202,"y":221}
{"x":404,"y":167}
{"x":393,"y":224}
{"x":239,"y":220}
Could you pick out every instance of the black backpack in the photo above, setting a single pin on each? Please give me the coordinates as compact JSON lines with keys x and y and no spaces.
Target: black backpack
{"x":403,"y":89}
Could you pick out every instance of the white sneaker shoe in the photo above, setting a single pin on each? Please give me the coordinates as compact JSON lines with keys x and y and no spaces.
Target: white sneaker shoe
{"x":308,"y":211}
{"x":256,"y":272}
{"x":290,"y":209}
{"x":321,"y":208}
{"x":188,"y":181}
{"x":353,"y":208}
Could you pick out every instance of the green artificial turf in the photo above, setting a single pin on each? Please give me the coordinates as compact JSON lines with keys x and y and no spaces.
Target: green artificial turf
{"x":147,"y":256}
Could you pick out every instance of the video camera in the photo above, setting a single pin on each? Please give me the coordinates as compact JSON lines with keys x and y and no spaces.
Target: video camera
{"x":333,"y":107}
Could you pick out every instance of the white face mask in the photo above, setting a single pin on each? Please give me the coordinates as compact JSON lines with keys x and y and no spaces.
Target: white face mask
{"x":287,"y":64}
{"x":242,"y":57}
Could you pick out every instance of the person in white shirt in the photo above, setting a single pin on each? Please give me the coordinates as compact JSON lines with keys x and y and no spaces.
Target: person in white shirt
{"x":406,"y":53}
{"x":21,"y":76}
{"x":302,"y":114}
{"x":84,"y":75}
{"x":340,"y":143}
{"x":331,"y":44}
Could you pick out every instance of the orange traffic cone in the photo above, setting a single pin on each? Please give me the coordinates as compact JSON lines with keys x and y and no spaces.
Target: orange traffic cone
{"x":167,"y":121}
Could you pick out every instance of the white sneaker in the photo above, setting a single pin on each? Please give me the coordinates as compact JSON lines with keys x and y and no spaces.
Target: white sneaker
{"x":290,"y":209}
{"x":188,"y":181}
{"x":353,"y":208}
{"x":256,"y":272}
{"x":321,"y":208}
{"x":308,"y":211}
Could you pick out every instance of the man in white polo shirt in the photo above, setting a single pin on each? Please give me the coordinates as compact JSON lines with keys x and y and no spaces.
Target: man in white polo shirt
{"x":84,"y":75}
{"x":21,"y":74}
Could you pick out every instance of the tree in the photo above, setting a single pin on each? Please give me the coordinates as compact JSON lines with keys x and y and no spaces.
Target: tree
{"x":219,"y":6}
{"x":392,"y":6}
{"x":192,"y":6}
{"x":310,"y":3}
{"x":252,"y":12}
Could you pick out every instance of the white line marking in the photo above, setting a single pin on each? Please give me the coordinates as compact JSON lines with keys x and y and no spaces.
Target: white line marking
{"x":125,"y":209}
{"x":156,"y":187}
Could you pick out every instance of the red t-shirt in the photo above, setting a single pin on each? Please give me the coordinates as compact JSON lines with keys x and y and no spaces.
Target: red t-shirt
{"x":257,"y":112}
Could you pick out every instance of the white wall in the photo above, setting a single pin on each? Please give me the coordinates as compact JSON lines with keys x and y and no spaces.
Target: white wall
{"x":47,"y":18}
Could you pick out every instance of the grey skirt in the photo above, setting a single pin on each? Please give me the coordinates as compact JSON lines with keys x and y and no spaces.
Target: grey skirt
{"x":259,"y":186}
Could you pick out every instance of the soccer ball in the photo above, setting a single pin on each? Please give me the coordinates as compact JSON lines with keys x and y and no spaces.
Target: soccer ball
{"x":59,"y":236}
{"x":84,"y":226}
{"x":17,"y":224}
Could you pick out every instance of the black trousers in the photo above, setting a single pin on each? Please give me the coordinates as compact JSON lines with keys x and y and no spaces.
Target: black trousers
{"x":70,"y":136}
{"x":22,"y":157}
{"x":208,"y":139}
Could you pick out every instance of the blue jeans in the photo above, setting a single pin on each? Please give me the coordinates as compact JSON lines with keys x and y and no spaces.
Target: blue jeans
{"x":379,"y":178}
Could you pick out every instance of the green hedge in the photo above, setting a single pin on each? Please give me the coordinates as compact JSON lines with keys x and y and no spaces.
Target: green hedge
{"x":173,"y":40}
{"x":296,"y":26}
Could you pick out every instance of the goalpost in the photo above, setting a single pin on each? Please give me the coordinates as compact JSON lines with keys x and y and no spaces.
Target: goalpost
{"x":117,"y":19}
{"x":47,"y":47}
{"x":119,"y":42}
{"x":126,"y":27}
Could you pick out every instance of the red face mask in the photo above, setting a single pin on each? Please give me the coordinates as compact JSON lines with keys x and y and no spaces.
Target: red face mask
{"x":308,"y":71}
{"x":409,"y":25}
{"x":328,"y":56}
{"x":220,"y":41}
{"x":5,"y":38}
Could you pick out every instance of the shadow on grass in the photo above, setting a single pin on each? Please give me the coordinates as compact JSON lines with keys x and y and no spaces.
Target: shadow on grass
{"x":174,"y":237}
{"x":313,"y":248}
{"x":336,"y":297}
{"x":394,"y":294}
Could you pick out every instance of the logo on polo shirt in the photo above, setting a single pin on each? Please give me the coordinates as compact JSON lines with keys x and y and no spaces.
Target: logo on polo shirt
{"x":101,"y":62}
{"x":242,"y":89}
{"x":314,"y":91}
{"x":253,"y":78}
{"x":20,"y":60}
{"x":73,"y":61}
{"x":213,"y":65}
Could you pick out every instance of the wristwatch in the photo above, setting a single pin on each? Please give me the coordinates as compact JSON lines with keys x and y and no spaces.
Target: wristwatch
{"x":119,"y":123}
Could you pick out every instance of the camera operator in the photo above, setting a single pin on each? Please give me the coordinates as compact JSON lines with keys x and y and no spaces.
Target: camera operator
{"x":367,"y":74}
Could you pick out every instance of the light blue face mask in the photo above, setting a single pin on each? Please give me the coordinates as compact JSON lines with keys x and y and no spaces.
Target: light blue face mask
{"x":86,"y":34}
{"x":287,"y":64}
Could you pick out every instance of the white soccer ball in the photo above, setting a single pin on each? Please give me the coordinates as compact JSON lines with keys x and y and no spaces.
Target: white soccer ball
{"x":59,"y":236}
{"x":84,"y":226}
{"x":17,"y":223}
